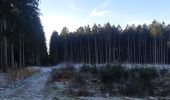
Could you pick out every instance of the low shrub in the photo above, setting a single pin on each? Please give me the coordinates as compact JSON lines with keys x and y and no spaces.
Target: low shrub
{"x":135,"y":81}
{"x":163,"y":71}
{"x":116,"y":80}
{"x":62,"y":74}
{"x":80,"y":92}
{"x":20,"y":74}
{"x":94,"y":70}
{"x":91,"y":69}
{"x":85,"y":68}
{"x":112,"y":73}
{"x":78,"y":78}
{"x":69,"y":67}
{"x":141,"y":80}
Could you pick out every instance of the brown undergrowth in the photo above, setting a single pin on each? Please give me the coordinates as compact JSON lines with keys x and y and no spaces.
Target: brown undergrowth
{"x":20,"y":74}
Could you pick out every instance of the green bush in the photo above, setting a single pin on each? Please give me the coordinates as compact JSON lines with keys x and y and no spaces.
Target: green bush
{"x":141,"y":80}
{"x":62,"y":74}
{"x":163,"y":71}
{"x":87,"y":68}
{"x":148,"y":74}
{"x":112,"y":73}
{"x":78,"y":78}
{"x":136,"y":81}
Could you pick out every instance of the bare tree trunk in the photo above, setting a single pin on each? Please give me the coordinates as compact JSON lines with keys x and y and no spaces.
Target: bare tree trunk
{"x":65,"y":51}
{"x":20,"y":52}
{"x":145,"y":53}
{"x":106,"y":52}
{"x":20,"y":55}
{"x":1,"y":45}
{"x":114,"y":50}
{"x":33,"y":59}
{"x":153,"y":55}
{"x":89,"y":52}
{"x":159,"y":53}
{"x":134,"y":50}
{"x":128,"y":52}
{"x":96,"y":51}
{"x":139,"y":50}
{"x":101,"y":53}
{"x":1,"y":52}
{"x":75,"y":52}
{"x":12,"y":57}
{"x":5,"y":55}
{"x":71,"y":51}
{"x":23,"y":52}
{"x":165,"y":53}
{"x":155,"y":59}
{"x":37,"y":59}
{"x":109,"y":51}
{"x":119,"y":52}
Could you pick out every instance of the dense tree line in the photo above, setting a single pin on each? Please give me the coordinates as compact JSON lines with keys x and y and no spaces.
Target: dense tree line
{"x":22,"y":40}
{"x":111,"y":44}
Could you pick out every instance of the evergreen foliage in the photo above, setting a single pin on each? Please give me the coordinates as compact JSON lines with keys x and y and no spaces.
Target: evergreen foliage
{"x":110,"y":44}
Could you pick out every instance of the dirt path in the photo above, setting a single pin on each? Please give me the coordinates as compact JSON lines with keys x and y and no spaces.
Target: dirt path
{"x":32,"y":88}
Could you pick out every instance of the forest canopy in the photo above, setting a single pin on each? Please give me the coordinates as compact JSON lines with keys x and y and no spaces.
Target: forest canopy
{"x":112,"y":44}
{"x":22,"y":39}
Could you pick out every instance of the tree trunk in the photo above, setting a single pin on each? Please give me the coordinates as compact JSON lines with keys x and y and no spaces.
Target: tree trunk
{"x":96,"y":51}
{"x":155,"y":51}
{"x":20,"y":51}
{"x":128,"y":52}
{"x":1,"y":52}
{"x":89,"y":52}
{"x":5,"y":55}
{"x":23,"y":52}
{"x":37,"y":59}
{"x":106,"y":52}
{"x":33,"y":59}
{"x":12,"y":57}
{"x":134,"y":50}
{"x":1,"y":45}
{"x":145,"y":61}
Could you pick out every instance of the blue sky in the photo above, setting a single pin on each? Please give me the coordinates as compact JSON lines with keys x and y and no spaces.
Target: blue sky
{"x":74,"y":13}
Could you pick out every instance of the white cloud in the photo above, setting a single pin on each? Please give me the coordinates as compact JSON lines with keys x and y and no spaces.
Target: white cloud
{"x":105,"y":4}
{"x":76,"y":8}
{"x":96,"y":13}
{"x":101,"y":10}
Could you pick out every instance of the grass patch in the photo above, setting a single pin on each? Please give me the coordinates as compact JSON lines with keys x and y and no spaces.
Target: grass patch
{"x":20,"y":74}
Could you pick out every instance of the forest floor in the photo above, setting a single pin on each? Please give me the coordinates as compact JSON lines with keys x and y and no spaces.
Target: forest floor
{"x":39,"y":87}
{"x":31,"y":88}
